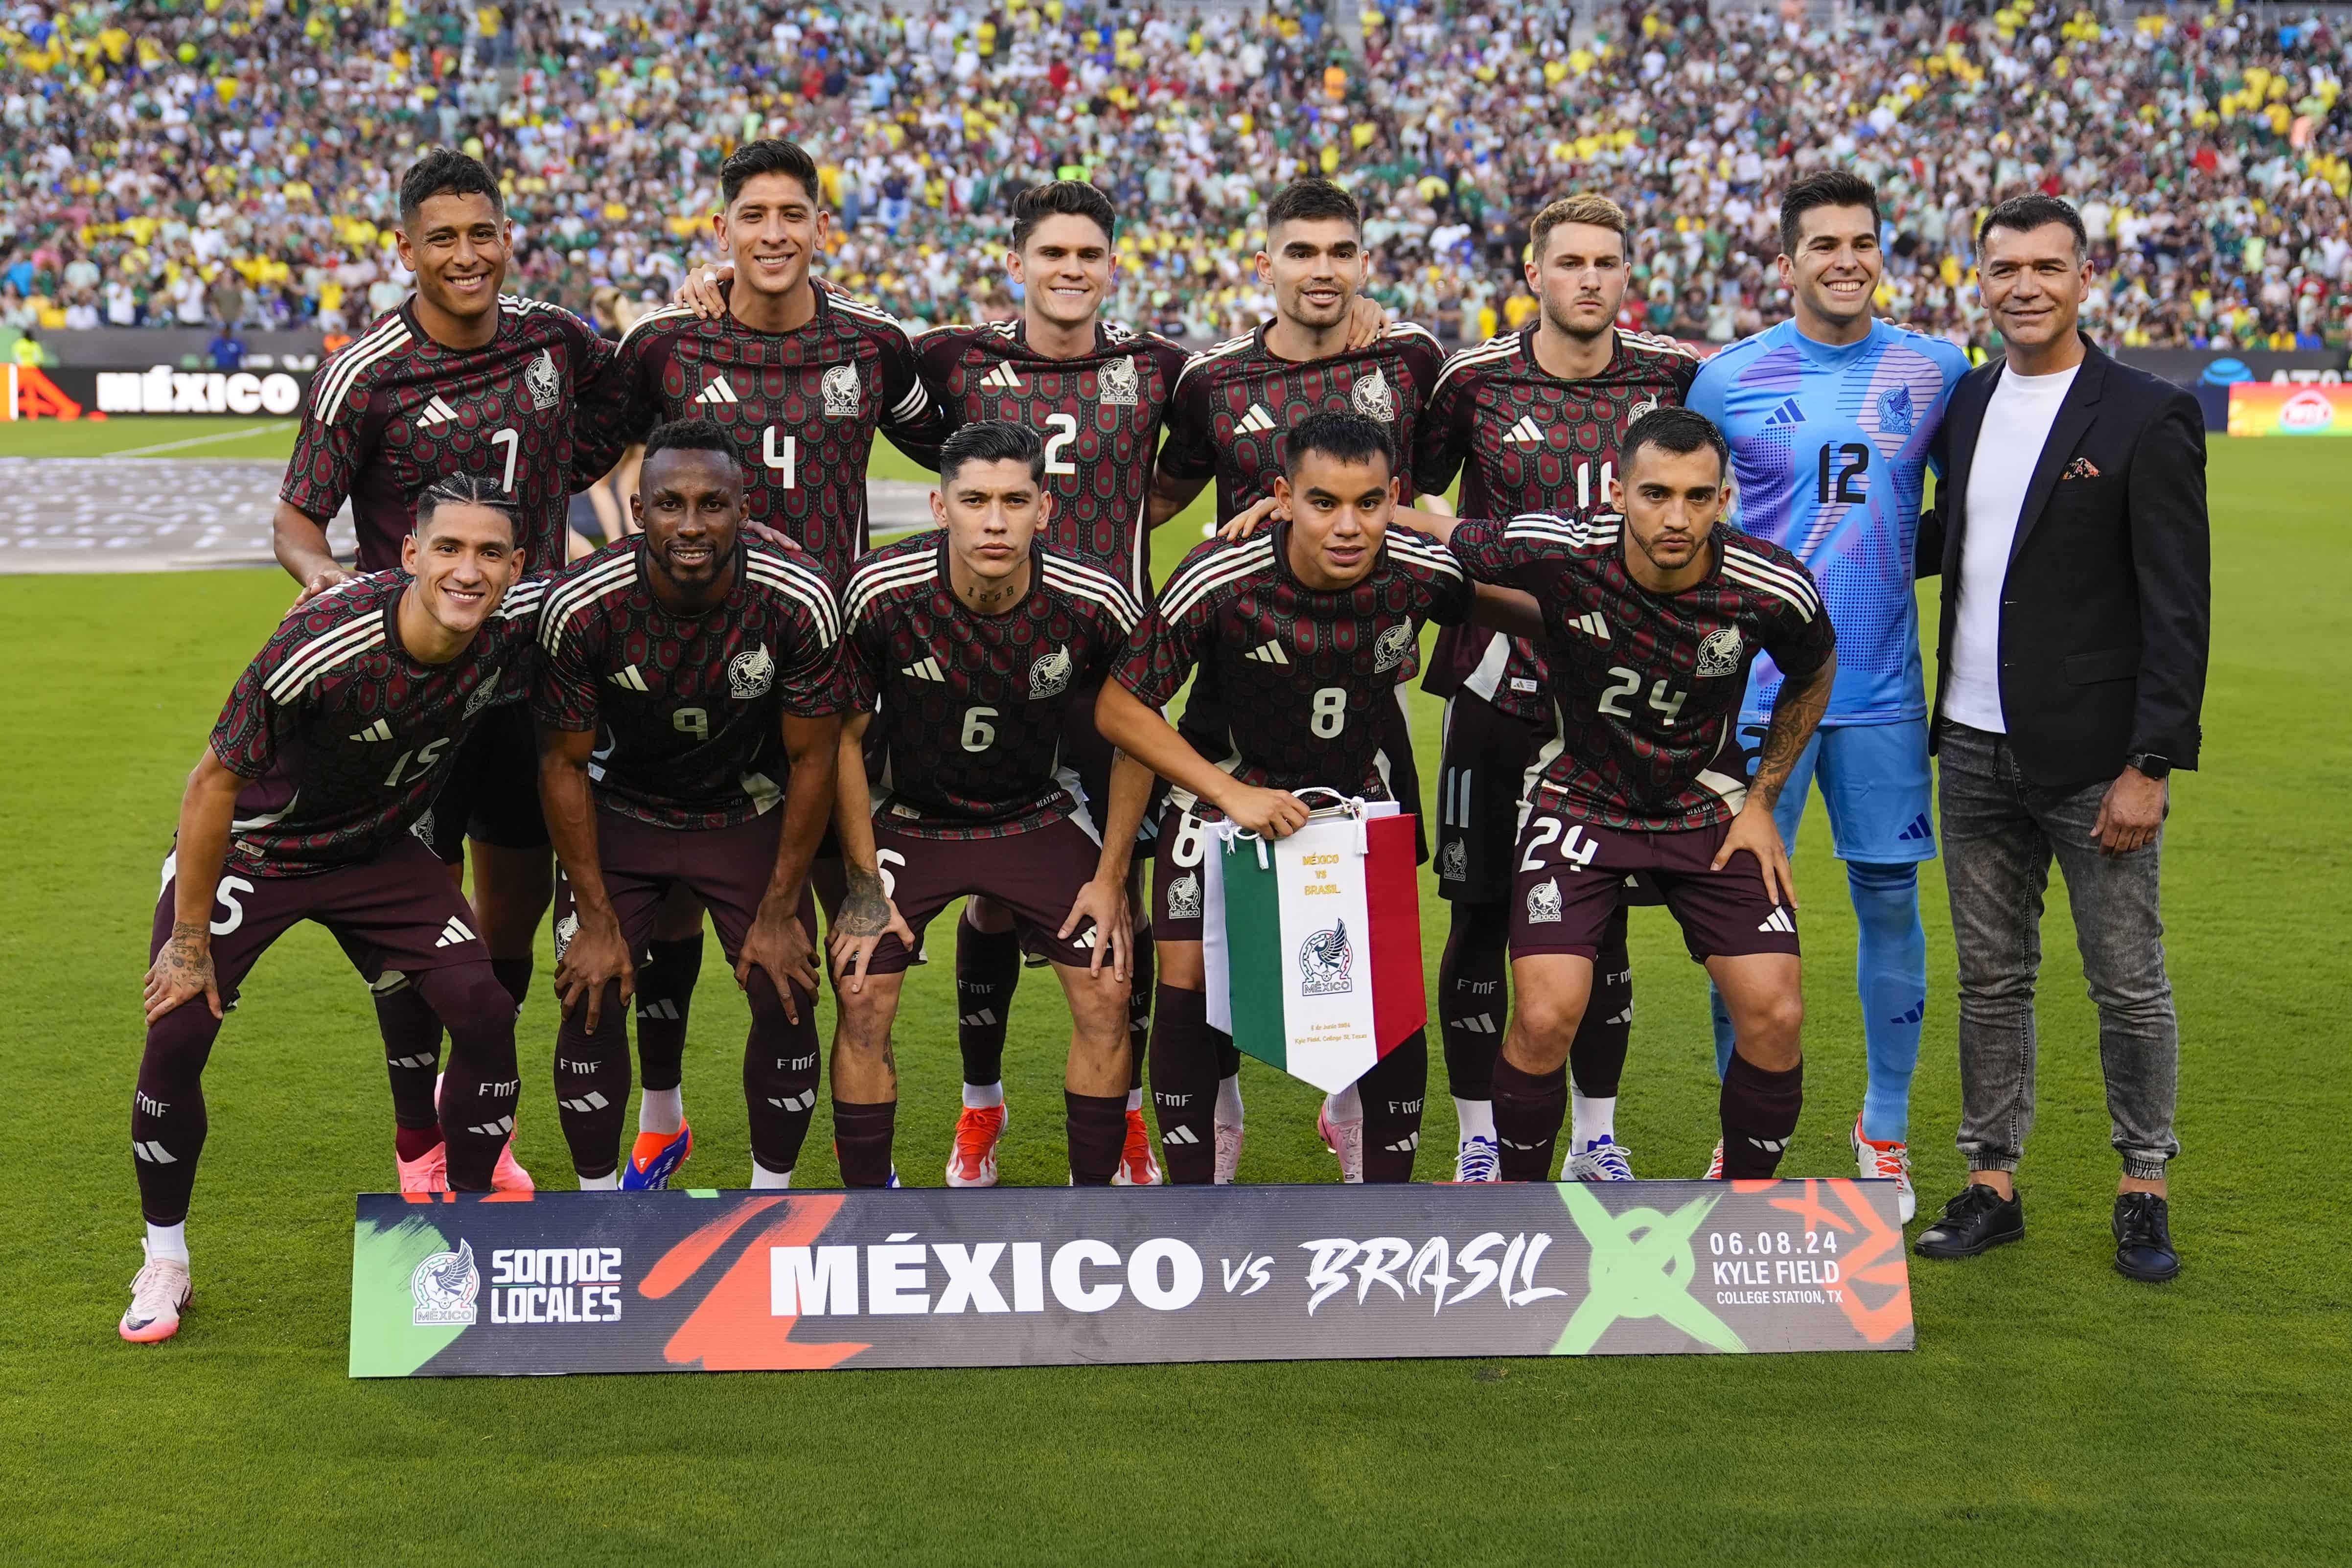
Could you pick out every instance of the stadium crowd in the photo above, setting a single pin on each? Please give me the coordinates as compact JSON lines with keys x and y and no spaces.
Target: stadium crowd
{"x":184,"y":164}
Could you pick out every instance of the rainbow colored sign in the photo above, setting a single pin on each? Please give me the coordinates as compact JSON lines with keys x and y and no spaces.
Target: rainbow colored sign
{"x":2272,"y":408}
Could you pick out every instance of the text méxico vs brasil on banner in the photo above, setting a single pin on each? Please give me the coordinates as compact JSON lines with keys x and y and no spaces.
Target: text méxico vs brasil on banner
{"x":525,"y":1284}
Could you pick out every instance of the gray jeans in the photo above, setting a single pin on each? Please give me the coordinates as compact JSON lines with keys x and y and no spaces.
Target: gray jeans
{"x":1999,"y":834}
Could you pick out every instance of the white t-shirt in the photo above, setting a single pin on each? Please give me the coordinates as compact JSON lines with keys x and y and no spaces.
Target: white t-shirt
{"x":2016,"y":426}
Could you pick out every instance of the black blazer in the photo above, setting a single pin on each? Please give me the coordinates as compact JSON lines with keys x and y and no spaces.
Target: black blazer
{"x":2106,"y":609}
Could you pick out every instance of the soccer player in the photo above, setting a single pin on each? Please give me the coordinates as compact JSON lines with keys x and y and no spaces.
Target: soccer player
{"x":459,"y":380}
{"x":1095,"y":393}
{"x":1635,"y":782}
{"x":1532,"y":421}
{"x":1296,"y":634}
{"x":967,"y":646}
{"x":1829,"y":415}
{"x":330,"y":748}
{"x":800,"y":377}
{"x":688,"y":706}
{"x":1233,"y":406}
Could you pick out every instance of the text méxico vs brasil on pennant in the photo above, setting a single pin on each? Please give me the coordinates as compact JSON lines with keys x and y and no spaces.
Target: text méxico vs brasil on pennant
{"x":505,"y":1284}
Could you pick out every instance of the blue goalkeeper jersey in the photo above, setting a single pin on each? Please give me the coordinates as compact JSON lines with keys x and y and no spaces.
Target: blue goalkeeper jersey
{"x":1829,"y":453}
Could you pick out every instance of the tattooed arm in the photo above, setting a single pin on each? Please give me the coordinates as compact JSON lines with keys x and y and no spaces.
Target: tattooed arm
{"x":867,"y":914}
{"x":1796,"y":713}
{"x":183,"y":969}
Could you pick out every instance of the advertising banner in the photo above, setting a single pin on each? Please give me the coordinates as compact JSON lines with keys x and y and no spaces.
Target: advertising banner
{"x":2225,"y":367}
{"x":527,"y":1284}
{"x":2265,"y":408}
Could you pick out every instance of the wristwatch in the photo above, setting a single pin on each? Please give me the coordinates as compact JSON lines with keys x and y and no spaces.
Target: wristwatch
{"x":2149,"y":763}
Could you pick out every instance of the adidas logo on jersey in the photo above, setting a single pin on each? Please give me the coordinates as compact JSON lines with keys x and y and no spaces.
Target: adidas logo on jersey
{"x":1268,"y":652}
{"x":925,"y":669}
{"x":1001,"y":379}
{"x":718,"y":392}
{"x":1790,"y":412}
{"x":628,"y":678}
{"x":436,"y":412}
{"x":1778,"y":921}
{"x":1255,"y":421}
{"x":1526,"y":433}
{"x":453,"y":932}
{"x":1593,"y":626}
{"x":379,"y":731}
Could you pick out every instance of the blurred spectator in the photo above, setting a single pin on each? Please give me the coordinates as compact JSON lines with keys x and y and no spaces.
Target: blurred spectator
{"x":226,"y":353}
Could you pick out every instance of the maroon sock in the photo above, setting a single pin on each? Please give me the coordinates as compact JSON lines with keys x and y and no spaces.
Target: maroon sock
{"x":1098,"y":1136}
{"x":861,"y":1138}
{"x":415,"y":1142}
{"x":1529,"y":1110}
{"x":1759,"y":1116}
{"x":987,"y":969}
{"x":665,"y":995}
{"x":1473,"y":1002}
{"x":1392,"y":1093}
{"x":514,"y":974}
{"x":412,"y":1052}
{"x":1597,"y":1059}
{"x":1184,"y":1084}
{"x":1138,"y":1009}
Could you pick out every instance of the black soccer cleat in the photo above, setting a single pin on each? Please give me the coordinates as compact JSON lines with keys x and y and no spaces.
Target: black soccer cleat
{"x":2143,"y":1238}
{"x":1976,"y":1221}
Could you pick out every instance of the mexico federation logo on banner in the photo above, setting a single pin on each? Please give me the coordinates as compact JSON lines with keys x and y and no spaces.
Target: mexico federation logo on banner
{"x":1326,"y":962}
{"x":444,"y":1287}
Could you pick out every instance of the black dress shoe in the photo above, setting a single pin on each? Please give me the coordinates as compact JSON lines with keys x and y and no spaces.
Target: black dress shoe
{"x":1978,"y":1219}
{"x":2143,"y":1238}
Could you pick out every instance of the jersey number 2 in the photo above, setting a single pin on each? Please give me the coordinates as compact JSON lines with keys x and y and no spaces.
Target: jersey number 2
{"x":1064,"y":428}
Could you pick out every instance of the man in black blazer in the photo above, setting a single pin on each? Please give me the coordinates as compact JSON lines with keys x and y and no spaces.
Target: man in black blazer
{"x":2070,"y":533}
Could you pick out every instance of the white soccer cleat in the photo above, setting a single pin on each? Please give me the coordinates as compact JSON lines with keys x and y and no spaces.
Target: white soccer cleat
{"x":1345,"y":1138}
{"x":1229,"y":1152}
{"x":1603,"y":1162}
{"x":1891,"y":1161}
{"x":159,"y":1292}
{"x":1477,"y":1160}
{"x":1714,"y":1164}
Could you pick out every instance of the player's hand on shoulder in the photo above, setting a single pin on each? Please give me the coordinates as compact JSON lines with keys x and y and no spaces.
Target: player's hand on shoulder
{"x":594,"y":958}
{"x":1104,"y":903}
{"x":319,"y":582}
{"x":1268,"y":813}
{"x":704,"y":289}
{"x":766,"y":535}
{"x":1367,"y":318}
{"x":1249,"y":522}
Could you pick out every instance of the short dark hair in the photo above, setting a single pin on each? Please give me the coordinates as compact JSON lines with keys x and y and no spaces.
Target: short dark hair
{"x":2028,"y":212}
{"x":1829,"y":188}
{"x":1680,"y":431}
{"x":991,"y":441}
{"x":692,"y":436}
{"x":445,"y":172}
{"x":1061,"y":198}
{"x":1338,"y":433}
{"x":769,"y":155}
{"x":1306,"y":200}
{"x":465,"y":490}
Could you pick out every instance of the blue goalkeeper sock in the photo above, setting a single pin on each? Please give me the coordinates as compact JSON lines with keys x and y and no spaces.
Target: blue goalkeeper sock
{"x":1891,"y":976}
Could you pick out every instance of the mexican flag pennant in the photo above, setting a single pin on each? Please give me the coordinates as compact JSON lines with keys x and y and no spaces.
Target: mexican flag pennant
{"x":1312,"y":944}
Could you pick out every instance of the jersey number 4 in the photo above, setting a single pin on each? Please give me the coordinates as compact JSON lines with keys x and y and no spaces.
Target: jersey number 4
{"x":782,"y":455}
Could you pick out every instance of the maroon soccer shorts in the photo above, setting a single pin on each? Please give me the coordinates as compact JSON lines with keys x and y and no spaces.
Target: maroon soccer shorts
{"x":1178,"y":850}
{"x":1480,"y":781}
{"x":727,"y":868}
{"x":492,"y":793}
{"x":1570,"y":876}
{"x":1033,"y":876}
{"x":397,"y":911}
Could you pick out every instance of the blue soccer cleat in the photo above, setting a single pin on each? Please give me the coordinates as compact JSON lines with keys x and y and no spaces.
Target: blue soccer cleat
{"x":655,"y":1159}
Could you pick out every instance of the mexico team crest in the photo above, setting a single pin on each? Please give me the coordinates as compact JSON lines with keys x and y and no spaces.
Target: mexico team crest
{"x":842,"y":394}
{"x":443,"y":1288}
{"x":1719,"y":654}
{"x":482,"y":695}
{"x":1050,"y":675}
{"x":1895,"y":413}
{"x":546,"y":384}
{"x":1119,"y":383}
{"x":1543,"y":903}
{"x":750,"y":675}
{"x":1453,"y":861}
{"x":1184,"y":897}
{"x":1326,"y":964}
{"x":565,"y":930}
{"x":1393,"y":645}
{"x":1371,"y":397}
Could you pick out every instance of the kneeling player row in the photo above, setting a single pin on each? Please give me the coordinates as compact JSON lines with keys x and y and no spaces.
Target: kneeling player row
{"x":689,"y":684}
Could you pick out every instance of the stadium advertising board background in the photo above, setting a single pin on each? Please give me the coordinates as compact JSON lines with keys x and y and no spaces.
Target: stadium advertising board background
{"x":2265,"y":408}
{"x":459,"y":1285}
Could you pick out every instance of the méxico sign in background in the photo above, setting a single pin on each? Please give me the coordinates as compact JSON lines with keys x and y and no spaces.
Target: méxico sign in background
{"x":704,"y":1281}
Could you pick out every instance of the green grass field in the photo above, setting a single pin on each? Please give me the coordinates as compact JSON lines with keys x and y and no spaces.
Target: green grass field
{"x":2052,"y":1411}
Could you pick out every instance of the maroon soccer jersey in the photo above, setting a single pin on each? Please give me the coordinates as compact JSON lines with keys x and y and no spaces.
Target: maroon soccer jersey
{"x":803,"y":407}
{"x":1235,"y":403}
{"x":1647,"y":687}
{"x":1099,"y":416}
{"x":1524,"y":440}
{"x":344,"y":738}
{"x":392,"y":412}
{"x":970,"y":710}
{"x":688,"y":708}
{"x":1296,"y":677}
